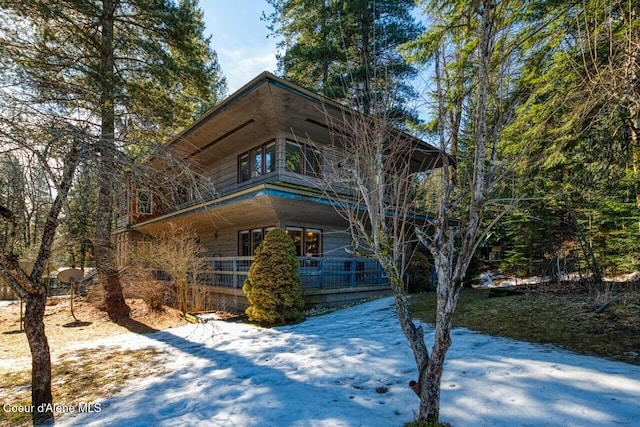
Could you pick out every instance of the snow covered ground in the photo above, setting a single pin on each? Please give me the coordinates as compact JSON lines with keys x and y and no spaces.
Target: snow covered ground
{"x":325,"y":372}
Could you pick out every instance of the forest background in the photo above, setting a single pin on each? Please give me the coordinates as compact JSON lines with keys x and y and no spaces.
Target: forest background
{"x":574,"y":103}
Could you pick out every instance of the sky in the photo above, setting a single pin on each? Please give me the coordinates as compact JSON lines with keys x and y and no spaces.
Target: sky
{"x":240,"y":38}
{"x":352,"y":368}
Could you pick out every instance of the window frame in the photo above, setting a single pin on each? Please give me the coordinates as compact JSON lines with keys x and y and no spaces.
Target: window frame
{"x":318,"y":233}
{"x":241,"y":242}
{"x":244,"y":164}
{"x":307,"y":168}
{"x":303,"y":240}
{"x":250,"y":233}
{"x":247,"y":159}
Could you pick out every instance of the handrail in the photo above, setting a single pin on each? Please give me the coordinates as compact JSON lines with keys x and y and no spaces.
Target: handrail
{"x":315,"y":272}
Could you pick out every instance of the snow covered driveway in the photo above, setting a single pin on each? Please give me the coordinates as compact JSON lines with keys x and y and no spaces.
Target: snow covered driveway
{"x":352,"y":368}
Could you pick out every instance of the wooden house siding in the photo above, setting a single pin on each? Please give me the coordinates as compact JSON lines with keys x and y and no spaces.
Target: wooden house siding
{"x":266,"y":109}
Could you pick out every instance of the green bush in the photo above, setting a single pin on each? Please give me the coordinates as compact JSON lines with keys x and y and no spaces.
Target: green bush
{"x":273,"y":286}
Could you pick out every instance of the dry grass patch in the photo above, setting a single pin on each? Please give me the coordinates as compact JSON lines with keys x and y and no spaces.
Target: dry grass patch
{"x":95,"y":324}
{"x":79,"y":376}
{"x":565,"y":319}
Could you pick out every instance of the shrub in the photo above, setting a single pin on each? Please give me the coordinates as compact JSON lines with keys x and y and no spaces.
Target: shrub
{"x":273,"y":286}
{"x":138,"y":283}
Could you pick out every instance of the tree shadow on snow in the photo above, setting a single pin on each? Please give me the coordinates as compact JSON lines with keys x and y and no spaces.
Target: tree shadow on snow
{"x":215,"y":387}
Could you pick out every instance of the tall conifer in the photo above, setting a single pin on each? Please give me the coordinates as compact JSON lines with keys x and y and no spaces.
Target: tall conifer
{"x":348,"y":51}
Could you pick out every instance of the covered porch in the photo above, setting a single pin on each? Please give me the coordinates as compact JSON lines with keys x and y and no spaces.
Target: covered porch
{"x":326,"y":281}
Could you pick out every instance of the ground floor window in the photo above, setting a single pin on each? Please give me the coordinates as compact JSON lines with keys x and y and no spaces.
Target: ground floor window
{"x":307,"y":241}
{"x":250,"y":240}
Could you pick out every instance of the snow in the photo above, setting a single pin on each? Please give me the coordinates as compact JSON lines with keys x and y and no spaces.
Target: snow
{"x":325,"y":372}
{"x":487,"y":280}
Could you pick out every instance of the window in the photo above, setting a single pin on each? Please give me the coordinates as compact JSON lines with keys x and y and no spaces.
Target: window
{"x":312,"y":240}
{"x":270,"y":157}
{"x":249,"y":240}
{"x":293,"y":157}
{"x":144,"y":203}
{"x":258,"y":161}
{"x":303,"y":159}
{"x":313,"y":162}
{"x":296,"y":235}
{"x":243,"y":167}
{"x":255,"y":161}
{"x":245,"y":243}
{"x":307,"y":241}
{"x":256,"y":238}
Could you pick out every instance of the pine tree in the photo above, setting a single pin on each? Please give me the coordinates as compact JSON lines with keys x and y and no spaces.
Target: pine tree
{"x":136,"y":71}
{"x":348,"y":51}
{"x":273,"y":286}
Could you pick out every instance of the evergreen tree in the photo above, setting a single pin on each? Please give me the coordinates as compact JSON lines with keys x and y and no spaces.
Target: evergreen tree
{"x":348,"y":51}
{"x":273,"y":286}
{"x":581,"y":120}
{"x":135,"y":70}
{"x":79,"y":219}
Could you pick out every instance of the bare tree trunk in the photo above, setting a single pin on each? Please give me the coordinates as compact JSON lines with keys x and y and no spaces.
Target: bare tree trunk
{"x":452,"y":265}
{"x":107,"y":272}
{"x":27,"y":285}
{"x":41,"y":397}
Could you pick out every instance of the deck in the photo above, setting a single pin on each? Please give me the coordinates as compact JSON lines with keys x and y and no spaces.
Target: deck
{"x":325,"y":281}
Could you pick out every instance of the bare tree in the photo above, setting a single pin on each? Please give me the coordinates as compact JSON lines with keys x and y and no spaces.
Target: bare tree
{"x":176,"y":252}
{"x":27,"y":284}
{"x":376,"y":172}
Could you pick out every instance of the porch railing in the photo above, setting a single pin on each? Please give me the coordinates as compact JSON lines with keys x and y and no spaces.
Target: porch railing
{"x":315,"y":272}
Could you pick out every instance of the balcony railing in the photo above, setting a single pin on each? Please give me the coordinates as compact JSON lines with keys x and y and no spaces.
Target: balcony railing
{"x":316,"y":272}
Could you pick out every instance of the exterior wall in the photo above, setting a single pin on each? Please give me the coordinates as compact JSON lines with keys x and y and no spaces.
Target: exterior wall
{"x":224,"y":242}
{"x":336,"y":243}
{"x":223,"y":175}
{"x":235,"y":300}
{"x":219,"y":242}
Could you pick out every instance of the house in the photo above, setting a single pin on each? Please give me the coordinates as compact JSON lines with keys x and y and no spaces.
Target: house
{"x":265,"y":150}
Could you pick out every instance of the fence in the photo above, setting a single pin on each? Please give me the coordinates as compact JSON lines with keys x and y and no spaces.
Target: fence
{"x":315,"y":272}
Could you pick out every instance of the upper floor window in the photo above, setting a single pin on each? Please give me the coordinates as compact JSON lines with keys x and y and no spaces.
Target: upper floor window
{"x":303,"y":159}
{"x":257,"y":161}
{"x":144,"y":203}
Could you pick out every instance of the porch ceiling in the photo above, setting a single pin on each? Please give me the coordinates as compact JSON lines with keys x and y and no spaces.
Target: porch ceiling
{"x":249,"y":118}
{"x":301,"y":211}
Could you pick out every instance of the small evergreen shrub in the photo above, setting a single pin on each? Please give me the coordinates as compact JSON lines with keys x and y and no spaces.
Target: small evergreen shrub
{"x":273,"y":286}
